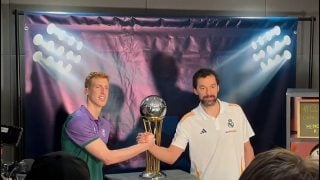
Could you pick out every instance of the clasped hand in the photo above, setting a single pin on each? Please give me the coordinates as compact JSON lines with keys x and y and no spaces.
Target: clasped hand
{"x":146,"y":137}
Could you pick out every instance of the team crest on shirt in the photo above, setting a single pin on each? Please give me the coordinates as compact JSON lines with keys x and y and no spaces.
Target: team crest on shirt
{"x":230,"y":123}
{"x":230,"y":126}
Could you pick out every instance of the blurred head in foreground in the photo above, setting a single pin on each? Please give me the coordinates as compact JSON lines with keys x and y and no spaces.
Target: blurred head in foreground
{"x":280,"y":164}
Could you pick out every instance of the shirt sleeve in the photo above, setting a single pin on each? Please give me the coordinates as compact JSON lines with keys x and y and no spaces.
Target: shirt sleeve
{"x":180,"y":137}
{"x":81,"y":130}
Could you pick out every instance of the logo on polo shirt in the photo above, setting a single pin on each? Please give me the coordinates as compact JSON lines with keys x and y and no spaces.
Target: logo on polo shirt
{"x":230,"y":123}
{"x":203,"y":131}
{"x":230,"y":126}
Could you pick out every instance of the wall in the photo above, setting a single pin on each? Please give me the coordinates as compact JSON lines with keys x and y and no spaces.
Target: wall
{"x":9,"y":80}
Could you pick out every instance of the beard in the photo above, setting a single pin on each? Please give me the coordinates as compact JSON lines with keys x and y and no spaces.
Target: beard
{"x":207,"y":101}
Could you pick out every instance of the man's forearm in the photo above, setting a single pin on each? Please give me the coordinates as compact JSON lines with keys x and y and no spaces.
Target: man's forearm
{"x":248,"y":153}
{"x":124,"y":154}
{"x":167,"y":155}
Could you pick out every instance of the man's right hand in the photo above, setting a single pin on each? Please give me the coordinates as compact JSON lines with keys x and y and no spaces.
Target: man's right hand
{"x":147,"y":138}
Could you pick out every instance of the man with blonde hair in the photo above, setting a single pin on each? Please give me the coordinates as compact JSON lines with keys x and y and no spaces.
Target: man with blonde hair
{"x":85,"y":133}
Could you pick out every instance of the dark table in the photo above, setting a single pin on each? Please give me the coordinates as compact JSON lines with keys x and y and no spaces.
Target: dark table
{"x":170,"y":175}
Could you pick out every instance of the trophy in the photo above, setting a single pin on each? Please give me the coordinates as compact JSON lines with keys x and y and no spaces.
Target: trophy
{"x":153,"y":109}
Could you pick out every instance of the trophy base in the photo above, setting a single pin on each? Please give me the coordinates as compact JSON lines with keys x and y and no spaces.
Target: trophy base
{"x":149,"y":175}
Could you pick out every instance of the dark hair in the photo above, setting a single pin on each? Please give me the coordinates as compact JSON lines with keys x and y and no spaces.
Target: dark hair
{"x":202,"y":73}
{"x":58,"y":165}
{"x":280,"y":164}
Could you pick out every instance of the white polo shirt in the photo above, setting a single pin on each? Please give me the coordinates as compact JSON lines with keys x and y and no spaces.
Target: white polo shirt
{"x":216,"y":145}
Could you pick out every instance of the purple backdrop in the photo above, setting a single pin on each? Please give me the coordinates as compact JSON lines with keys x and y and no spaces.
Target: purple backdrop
{"x":255,"y":58}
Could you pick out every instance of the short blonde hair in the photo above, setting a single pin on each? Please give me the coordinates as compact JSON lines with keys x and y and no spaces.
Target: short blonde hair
{"x":92,"y":75}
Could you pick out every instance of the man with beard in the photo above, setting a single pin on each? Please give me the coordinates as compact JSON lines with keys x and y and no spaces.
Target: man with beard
{"x":218,"y":134}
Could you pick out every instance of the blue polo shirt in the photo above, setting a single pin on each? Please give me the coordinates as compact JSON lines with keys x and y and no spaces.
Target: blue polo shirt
{"x":79,"y":130}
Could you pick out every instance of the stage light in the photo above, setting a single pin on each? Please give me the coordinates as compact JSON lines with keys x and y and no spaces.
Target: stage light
{"x":77,"y":59}
{"x":268,"y":35}
{"x":255,"y":57}
{"x":271,"y":54}
{"x":269,"y":49}
{"x":60,"y":51}
{"x":276,"y":30}
{"x":61,"y":34}
{"x":287,"y":40}
{"x":37,"y":39}
{"x":37,"y":56}
{"x":69,"y":55}
{"x":49,"y":46}
{"x":263,"y":65}
{"x":79,"y":45}
{"x":51,"y":28}
{"x":68,"y":68}
{"x":286,"y":55}
{"x":254,"y":45}
{"x":261,"y":41}
{"x":262,"y":54}
{"x":277,"y":45}
{"x":60,"y":63}
{"x":71,"y":40}
{"x":49,"y":61}
{"x":270,"y":62}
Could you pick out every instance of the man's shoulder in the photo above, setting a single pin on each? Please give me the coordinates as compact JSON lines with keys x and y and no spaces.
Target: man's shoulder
{"x":232,"y":108}
{"x":78,"y":120}
{"x":234,"y":105}
{"x":231,"y":105}
{"x":188,"y":116}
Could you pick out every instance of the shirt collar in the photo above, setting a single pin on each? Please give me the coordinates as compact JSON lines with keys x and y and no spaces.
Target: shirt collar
{"x":204,"y":115}
{"x":85,"y":110}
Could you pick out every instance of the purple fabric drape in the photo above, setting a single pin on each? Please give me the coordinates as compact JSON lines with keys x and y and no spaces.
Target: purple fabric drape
{"x":154,"y":55}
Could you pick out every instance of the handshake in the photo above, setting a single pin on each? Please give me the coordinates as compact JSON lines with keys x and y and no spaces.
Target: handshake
{"x":146,"y":138}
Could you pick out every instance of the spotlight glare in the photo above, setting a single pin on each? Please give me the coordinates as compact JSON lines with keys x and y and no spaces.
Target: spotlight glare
{"x":49,"y":61}
{"x":68,"y":68}
{"x":277,"y":45}
{"x":263,"y":65}
{"x":37,"y":56}
{"x":69,"y":55}
{"x":276,"y":30}
{"x":277,"y":58}
{"x":268,"y":35}
{"x":287,"y":40}
{"x":79,"y":46}
{"x":60,"y":63}
{"x":260,"y":41}
{"x":262,"y":54}
{"x":77,"y":59}
{"x":61,"y":34}
{"x":270,"y":62}
{"x":269,"y":49}
{"x":37,"y":39}
{"x":51,"y":28}
{"x":286,"y":55}
{"x":254,"y":45}
{"x":71,"y":41}
{"x":50,"y":45}
{"x":60,"y":50}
